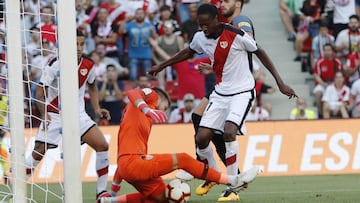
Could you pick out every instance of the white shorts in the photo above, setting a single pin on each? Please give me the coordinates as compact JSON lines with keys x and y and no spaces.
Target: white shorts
{"x":319,"y":88}
{"x":227,"y":108}
{"x":52,"y":135}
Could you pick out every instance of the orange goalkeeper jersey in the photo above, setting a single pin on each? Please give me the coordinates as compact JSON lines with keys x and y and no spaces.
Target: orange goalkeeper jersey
{"x":135,"y":126}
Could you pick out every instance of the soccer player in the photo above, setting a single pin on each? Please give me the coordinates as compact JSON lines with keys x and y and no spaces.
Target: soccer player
{"x":231,"y":100}
{"x":47,"y":101}
{"x":231,"y":10}
{"x":142,"y":170}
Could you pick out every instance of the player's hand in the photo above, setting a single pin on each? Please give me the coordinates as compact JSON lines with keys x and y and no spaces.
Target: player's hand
{"x":205,"y":68}
{"x":103,"y":113}
{"x":156,"y":116}
{"x":154,"y":70}
{"x":288,"y":91}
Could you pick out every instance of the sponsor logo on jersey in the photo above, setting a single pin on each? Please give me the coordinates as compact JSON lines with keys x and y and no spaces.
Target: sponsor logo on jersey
{"x":83,"y":71}
{"x":223,"y":44}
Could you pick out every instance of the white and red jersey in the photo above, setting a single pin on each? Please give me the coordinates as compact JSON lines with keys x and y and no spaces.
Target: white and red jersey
{"x":355,"y":90}
{"x":260,"y":114}
{"x":336,"y":96}
{"x":50,"y":78}
{"x":229,"y":57}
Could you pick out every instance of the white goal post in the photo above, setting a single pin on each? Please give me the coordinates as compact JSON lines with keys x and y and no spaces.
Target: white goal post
{"x":67,"y":50}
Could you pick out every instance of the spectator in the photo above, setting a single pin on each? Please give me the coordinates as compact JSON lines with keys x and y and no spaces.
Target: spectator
{"x":191,"y":26}
{"x":111,"y":95}
{"x":101,"y":50}
{"x":165,"y":18}
{"x":261,"y":87}
{"x":48,"y":27}
{"x":149,"y":7}
{"x":168,"y":44}
{"x":324,"y":73}
{"x":104,"y":31}
{"x":33,"y":47}
{"x":289,"y":13}
{"x":336,"y":98}
{"x":99,"y":66}
{"x":319,"y":41}
{"x":257,"y":113}
{"x":183,"y":115}
{"x":354,"y":102}
{"x":309,"y":24}
{"x":138,"y":33}
{"x":352,"y":67}
{"x":342,"y":10}
{"x":347,"y":40}
{"x":183,"y":9}
{"x":118,"y":17}
{"x":38,"y":64}
{"x":301,"y":112}
{"x":143,"y":82}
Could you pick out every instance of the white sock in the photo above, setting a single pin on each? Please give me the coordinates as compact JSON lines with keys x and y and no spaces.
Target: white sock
{"x":232,"y":157}
{"x":102,"y":168}
{"x":207,"y":154}
{"x":30,"y":164}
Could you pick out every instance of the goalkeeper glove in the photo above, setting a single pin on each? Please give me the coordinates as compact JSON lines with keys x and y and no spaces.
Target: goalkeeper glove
{"x":156,"y":116}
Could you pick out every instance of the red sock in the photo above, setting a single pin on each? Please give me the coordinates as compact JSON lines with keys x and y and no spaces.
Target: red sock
{"x":199,"y":169}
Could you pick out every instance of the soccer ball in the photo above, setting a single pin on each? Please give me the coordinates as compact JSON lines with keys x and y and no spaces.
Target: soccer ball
{"x":178,"y":191}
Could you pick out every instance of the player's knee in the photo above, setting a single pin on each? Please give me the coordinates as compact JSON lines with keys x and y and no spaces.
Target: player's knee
{"x":104,"y":146}
{"x":229,"y":135}
{"x":202,"y":140}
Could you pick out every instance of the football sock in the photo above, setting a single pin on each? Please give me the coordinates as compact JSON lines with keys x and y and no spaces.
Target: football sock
{"x":207,"y":156}
{"x":102,"y":167}
{"x":196,"y":118}
{"x":201,"y":170}
{"x":30,"y":164}
{"x":232,"y":160}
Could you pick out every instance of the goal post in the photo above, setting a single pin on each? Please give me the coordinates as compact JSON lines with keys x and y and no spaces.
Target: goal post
{"x":69,"y":100}
{"x":16,"y":99}
{"x":65,"y":19}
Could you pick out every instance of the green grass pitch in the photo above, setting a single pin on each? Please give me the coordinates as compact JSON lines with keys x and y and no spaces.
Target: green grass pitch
{"x":284,"y":189}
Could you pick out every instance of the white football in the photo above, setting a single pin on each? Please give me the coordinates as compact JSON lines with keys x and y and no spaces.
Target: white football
{"x":178,"y":191}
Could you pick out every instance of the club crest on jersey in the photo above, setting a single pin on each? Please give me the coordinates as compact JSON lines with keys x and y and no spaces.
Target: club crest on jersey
{"x":83,"y":71}
{"x":223,"y":44}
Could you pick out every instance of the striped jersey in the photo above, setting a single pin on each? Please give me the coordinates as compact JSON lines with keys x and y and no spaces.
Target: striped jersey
{"x":50,"y":79}
{"x":229,"y":58}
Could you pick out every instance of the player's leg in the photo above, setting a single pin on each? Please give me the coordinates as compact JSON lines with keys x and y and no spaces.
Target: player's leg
{"x":150,"y":191}
{"x":235,"y":123}
{"x":46,"y":138}
{"x":96,"y":140}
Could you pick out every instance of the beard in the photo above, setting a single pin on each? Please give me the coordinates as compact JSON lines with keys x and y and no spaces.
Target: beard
{"x":229,"y":13}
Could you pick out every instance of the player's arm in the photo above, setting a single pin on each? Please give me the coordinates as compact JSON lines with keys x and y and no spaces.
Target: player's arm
{"x":180,"y":56}
{"x":139,"y":97}
{"x":40,"y":99}
{"x":266,"y":61}
{"x":94,"y":97}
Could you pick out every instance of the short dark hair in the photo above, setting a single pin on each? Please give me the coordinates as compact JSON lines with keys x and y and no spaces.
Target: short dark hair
{"x":165,"y":8}
{"x":79,"y":33}
{"x":208,"y":9}
{"x":354,"y":17}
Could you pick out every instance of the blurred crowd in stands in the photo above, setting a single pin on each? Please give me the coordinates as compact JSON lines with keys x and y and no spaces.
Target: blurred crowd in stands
{"x":326,"y":38}
{"x":121,"y":36}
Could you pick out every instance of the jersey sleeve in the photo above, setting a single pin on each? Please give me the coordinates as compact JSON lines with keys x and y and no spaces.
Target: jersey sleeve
{"x":249,"y":43}
{"x":244,"y":23}
{"x":49,"y":73}
{"x":196,"y":43}
{"x":92,"y":76}
{"x":147,"y":94}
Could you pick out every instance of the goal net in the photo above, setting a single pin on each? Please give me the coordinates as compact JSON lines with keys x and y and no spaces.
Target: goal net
{"x":32,"y":32}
